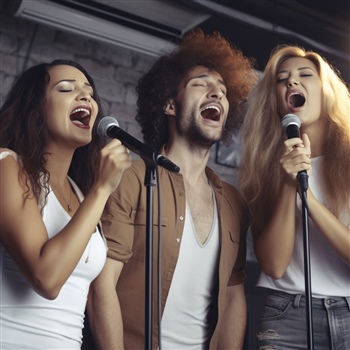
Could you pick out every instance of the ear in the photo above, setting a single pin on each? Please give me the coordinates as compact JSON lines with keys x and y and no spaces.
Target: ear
{"x":169,"y":108}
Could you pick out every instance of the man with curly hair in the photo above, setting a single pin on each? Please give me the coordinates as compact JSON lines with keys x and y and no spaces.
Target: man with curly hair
{"x":190,"y":99}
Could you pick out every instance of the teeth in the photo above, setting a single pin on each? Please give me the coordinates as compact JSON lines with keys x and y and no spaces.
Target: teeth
{"x":296,"y":93}
{"x":212,"y":107}
{"x":86,"y":111}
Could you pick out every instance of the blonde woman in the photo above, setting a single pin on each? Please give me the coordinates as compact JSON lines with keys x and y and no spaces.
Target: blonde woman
{"x":302,"y":83}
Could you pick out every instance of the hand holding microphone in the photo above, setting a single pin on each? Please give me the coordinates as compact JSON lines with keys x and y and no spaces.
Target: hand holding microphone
{"x":291,"y":124}
{"x":114,"y":159}
{"x":109,"y":128}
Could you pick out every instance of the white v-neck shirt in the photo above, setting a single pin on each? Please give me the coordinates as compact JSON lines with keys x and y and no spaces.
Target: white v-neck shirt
{"x":185,"y":323}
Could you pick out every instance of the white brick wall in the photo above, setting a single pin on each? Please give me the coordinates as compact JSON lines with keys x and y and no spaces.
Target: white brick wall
{"x":115,"y":70}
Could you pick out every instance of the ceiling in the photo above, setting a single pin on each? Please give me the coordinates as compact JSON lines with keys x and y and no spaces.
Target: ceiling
{"x":255,"y":26}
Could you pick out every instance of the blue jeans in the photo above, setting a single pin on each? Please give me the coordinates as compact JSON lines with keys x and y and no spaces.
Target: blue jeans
{"x":283,"y":323}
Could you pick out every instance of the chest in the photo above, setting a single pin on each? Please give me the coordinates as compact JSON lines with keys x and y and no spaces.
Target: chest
{"x":201,"y":205}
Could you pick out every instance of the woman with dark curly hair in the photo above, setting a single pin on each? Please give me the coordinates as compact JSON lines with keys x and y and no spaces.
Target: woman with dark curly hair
{"x":190,"y":99}
{"x":51,"y":247}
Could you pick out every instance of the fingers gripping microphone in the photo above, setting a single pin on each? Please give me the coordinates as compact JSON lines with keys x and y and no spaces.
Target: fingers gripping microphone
{"x":291,"y":124}
{"x":108,"y":127}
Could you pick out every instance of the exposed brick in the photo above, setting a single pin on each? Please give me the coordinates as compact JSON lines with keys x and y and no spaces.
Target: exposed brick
{"x":123,"y":112}
{"x":112,"y":54}
{"x":131,"y":96}
{"x":127,"y":75}
{"x":142,"y":63}
{"x":46,"y":53}
{"x":45,"y":35}
{"x":111,"y":91}
{"x":15,"y":26}
{"x":8,"y":43}
{"x":115,"y":70}
{"x":77,"y":44}
{"x":97,"y":69}
{"x":11,"y":65}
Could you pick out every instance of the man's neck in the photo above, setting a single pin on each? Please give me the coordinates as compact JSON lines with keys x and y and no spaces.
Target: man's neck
{"x":192,"y":163}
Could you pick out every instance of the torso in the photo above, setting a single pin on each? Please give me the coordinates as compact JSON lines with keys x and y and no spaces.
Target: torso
{"x":324,"y":261}
{"x":23,"y":310}
{"x":130,"y":197}
{"x":200,"y":201}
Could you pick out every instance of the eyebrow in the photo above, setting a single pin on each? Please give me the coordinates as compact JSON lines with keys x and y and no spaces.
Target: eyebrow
{"x":204,"y":76}
{"x":71,"y":81}
{"x":301,"y":68}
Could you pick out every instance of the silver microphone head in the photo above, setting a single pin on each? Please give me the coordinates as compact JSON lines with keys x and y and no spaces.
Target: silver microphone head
{"x":290,"y":119}
{"x":104,"y":124}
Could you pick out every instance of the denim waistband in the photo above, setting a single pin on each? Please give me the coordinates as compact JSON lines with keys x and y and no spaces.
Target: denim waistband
{"x":316,"y":302}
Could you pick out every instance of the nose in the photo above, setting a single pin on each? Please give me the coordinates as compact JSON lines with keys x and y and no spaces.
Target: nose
{"x":84,"y":95}
{"x":292,"y":82}
{"x":216,"y":92}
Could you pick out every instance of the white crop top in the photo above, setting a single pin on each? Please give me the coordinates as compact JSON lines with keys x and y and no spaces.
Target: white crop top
{"x":28,"y":320}
{"x":329,"y":273}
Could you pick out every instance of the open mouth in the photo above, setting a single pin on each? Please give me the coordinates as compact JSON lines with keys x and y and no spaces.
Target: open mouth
{"x":211,"y":112}
{"x":80,"y":116}
{"x":296,"y":100}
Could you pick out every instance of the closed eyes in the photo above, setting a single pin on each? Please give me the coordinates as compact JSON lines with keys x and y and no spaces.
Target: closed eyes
{"x":304,"y":75}
{"x":65,"y":90}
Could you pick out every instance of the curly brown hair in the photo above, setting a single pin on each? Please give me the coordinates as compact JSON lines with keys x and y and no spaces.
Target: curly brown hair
{"x":160,"y":84}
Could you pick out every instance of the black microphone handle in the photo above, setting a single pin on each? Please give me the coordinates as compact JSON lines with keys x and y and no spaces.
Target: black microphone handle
{"x":145,"y":152}
{"x":292,"y":131}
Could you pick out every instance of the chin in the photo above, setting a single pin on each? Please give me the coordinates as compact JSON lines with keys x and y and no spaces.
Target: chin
{"x":84,"y":142}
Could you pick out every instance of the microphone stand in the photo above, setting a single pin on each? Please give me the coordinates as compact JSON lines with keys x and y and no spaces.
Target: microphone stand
{"x":302,"y":177}
{"x":151,"y":159}
{"x":150,"y":184}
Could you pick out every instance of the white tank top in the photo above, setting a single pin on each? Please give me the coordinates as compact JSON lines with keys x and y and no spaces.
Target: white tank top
{"x":329,"y":274}
{"x":28,"y":320}
{"x":185,"y":323}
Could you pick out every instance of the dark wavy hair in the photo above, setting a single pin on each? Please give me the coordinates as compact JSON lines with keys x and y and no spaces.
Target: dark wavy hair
{"x":23,"y":129}
{"x":160,"y":84}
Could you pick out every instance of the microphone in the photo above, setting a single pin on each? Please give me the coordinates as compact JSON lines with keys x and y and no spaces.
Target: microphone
{"x":108,"y":127}
{"x":291,"y":124}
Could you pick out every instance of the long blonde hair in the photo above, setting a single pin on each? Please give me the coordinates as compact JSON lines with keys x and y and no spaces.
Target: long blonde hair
{"x":263,"y":138}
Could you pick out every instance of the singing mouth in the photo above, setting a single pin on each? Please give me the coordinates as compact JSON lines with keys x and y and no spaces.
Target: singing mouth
{"x":296,"y":100}
{"x":81,"y":116}
{"x":211,"y":112}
